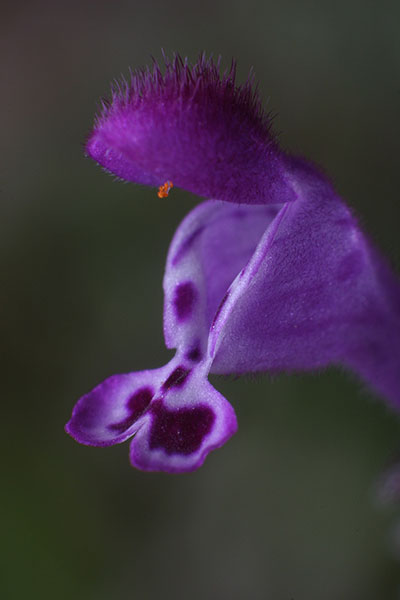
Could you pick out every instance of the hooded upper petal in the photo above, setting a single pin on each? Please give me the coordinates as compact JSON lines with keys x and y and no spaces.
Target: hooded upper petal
{"x":194,"y":127}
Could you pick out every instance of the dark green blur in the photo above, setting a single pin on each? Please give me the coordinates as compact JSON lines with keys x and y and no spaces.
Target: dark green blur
{"x":286,"y":510}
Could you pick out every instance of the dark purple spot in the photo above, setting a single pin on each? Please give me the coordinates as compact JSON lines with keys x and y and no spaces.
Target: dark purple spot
{"x":184,"y":299}
{"x":136,"y":406}
{"x":180,"y":253}
{"x":194,"y":354}
{"x":180,"y":431}
{"x":177,"y":378}
{"x":224,"y":299}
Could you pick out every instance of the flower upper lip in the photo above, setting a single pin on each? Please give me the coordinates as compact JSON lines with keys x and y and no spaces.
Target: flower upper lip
{"x":195,"y":127}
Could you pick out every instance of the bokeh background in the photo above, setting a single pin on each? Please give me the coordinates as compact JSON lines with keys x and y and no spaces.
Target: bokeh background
{"x":286,"y":510}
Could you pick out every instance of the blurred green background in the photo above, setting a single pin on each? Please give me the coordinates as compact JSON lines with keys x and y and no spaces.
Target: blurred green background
{"x":284,"y":511}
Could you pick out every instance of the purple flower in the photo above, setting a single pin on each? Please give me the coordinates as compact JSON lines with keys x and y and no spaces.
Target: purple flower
{"x":273,"y":274}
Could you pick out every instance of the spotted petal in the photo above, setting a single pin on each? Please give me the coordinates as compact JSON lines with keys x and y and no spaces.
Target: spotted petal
{"x":182,"y":427}
{"x":176,"y":414}
{"x":210,"y":247}
{"x":114,"y":410}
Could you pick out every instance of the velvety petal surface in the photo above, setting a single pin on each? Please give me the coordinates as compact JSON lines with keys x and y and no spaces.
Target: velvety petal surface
{"x":194,"y":126}
{"x":183,"y":425}
{"x":314,"y":293}
{"x":174,"y":414}
{"x":209,"y":249}
{"x":113,"y":411}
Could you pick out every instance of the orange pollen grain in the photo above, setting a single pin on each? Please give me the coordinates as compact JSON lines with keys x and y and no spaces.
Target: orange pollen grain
{"x":163,"y":190}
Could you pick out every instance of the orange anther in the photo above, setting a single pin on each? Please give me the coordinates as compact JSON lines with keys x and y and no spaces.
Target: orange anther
{"x":163,"y":190}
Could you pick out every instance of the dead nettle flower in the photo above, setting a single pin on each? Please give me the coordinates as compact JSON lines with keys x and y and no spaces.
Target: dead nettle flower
{"x":273,"y":274}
